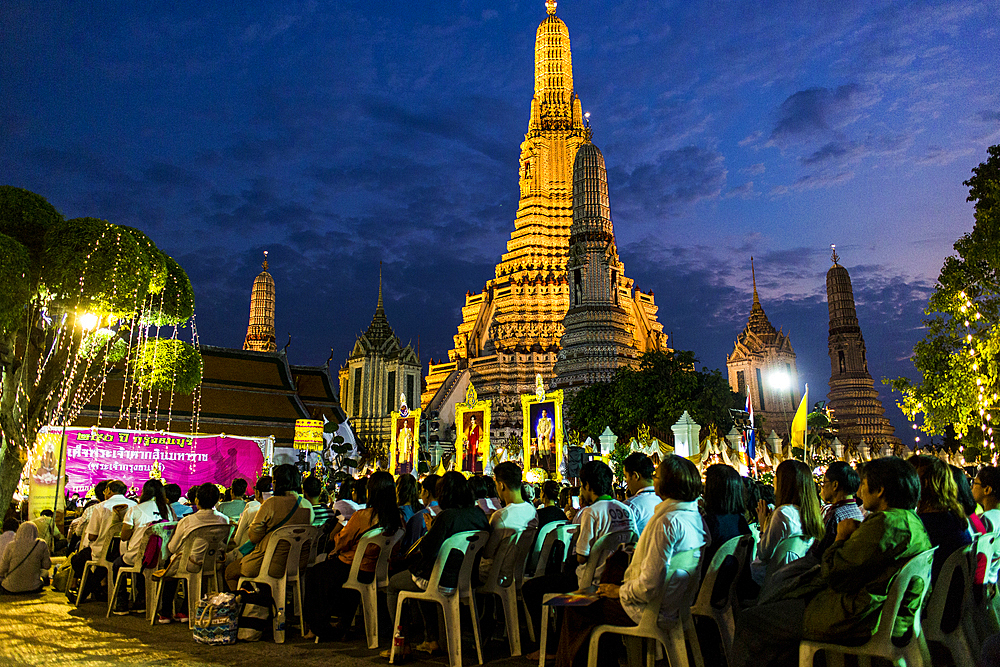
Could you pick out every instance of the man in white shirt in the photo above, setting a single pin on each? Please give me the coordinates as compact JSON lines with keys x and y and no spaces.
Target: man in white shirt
{"x":676,"y":526}
{"x":602,"y":515}
{"x":639,"y":471}
{"x":207,"y":515}
{"x":516,"y":515}
{"x":99,"y":531}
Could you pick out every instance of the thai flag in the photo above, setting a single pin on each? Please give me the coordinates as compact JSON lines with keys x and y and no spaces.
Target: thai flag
{"x":751,"y":437}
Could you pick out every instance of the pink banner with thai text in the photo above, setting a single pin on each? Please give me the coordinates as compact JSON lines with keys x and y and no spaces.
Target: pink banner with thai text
{"x":133,"y":457}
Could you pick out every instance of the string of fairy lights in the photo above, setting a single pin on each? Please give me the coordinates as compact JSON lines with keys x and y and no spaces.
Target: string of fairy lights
{"x":984,"y":399}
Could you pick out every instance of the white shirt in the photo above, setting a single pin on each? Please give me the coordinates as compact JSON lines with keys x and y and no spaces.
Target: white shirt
{"x":84,"y":520}
{"x":139,"y":517}
{"x":674,"y":527}
{"x":597,"y":520}
{"x":187,"y":524}
{"x":512,"y":519}
{"x":785,"y":522}
{"x":643,"y":504}
{"x":101,"y":522}
{"x":246,"y":518}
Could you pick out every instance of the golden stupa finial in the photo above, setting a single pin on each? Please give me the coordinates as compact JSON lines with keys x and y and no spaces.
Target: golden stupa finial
{"x":550,"y":7}
{"x":265,"y":261}
{"x":836,"y":257}
{"x":753,"y":277}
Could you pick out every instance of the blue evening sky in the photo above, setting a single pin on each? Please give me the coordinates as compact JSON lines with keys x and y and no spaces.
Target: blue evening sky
{"x":338,"y":134}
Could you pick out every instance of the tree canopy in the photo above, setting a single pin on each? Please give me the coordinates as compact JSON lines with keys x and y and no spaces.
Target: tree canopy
{"x":957,"y":359}
{"x":656,"y":394}
{"x":82,"y":299}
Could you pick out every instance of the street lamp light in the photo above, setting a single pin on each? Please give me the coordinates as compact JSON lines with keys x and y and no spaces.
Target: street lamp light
{"x":88,"y":321}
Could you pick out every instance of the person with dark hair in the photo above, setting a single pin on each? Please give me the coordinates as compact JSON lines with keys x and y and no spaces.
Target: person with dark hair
{"x":642,"y":499}
{"x":417,"y":525}
{"x":407,"y":496}
{"x":192,"y":497}
{"x":233,"y":508}
{"x":325,"y":596}
{"x":943,"y":517}
{"x":797,"y":513}
{"x":48,"y":529}
{"x":99,"y":534}
{"x":285,"y":508}
{"x":549,"y":510}
{"x":841,"y":604}
{"x":459,"y":513}
{"x":79,"y":525}
{"x":261,"y":492}
{"x":208,"y":495}
{"x":675,"y":526}
{"x":345,"y":506}
{"x":173,"y":494}
{"x":601,"y":514}
{"x":152,"y":507}
{"x":840,"y":484}
{"x":967,"y":501}
{"x":312,"y":489}
{"x":360,"y":489}
{"x":516,"y":515}
{"x":723,"y":507}
{"x":484,"y":489}
{"x":986,"y":491}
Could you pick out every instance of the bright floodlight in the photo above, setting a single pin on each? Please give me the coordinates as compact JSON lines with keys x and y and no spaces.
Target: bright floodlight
{"x":88,"y":321}
{"x":780,"y":381}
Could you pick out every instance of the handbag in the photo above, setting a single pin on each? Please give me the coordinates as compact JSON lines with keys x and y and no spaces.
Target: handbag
{"x":217,"y":619}
{"x":258,"y":608}
{"x":249,"y":546}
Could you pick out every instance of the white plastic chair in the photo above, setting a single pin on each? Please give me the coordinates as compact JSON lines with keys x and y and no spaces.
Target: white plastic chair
{"x":599,"y":553}
{"x":502,"y":580}
{"x":914,"y":653}
{"x":677,"y":634}
{"x":721,"y":610}
{"x":983,"y":619}
{"x":469,"y":543}
{"x":214,"y":539}
{"x":297,"y":537}
{"x":559,"y":538}
{"x":535,"y":557}
{"x":369,"y":591}
{"x":91,"y":565}
{"x":133,"y":570}
{"x":957,"y":639}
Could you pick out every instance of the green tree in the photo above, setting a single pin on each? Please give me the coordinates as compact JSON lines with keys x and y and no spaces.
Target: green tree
{"x":656,"y":394}
{"x":82,"y":299}
{"x":957,"y":359}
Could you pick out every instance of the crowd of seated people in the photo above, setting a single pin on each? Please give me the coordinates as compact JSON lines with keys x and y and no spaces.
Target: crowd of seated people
{"x":858,"y":526}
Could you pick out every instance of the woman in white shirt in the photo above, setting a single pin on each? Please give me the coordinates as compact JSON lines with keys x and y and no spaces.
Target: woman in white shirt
{"x":797,"y":513}
{"x":676,"y":526}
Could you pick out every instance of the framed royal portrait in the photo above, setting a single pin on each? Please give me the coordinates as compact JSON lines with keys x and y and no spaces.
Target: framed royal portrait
{"x":542,"y":431}
{"x":404,"y":447}
{"x":472,"y":433}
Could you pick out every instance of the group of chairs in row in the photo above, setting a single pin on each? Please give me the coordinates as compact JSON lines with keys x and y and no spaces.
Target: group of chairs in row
{"x":960,"y":621}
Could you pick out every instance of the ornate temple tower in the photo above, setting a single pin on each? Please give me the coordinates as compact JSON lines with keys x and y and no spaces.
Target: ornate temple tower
{"x":378,"y":370}
{"x":853,"y":398}
{"x":260,"y":332}
{"x":511,"y":331}
{"x":762,"y":364}
{"x":598,"y":339}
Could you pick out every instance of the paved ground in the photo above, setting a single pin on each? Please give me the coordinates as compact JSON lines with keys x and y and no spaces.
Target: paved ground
{"x":46,"y":630}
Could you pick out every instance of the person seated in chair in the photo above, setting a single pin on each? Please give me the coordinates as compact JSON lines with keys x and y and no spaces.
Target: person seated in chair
{"x":842,"y":603}
{"x":208,"y":495}
{"x":675,"y":526}
{"x":101,"y":529}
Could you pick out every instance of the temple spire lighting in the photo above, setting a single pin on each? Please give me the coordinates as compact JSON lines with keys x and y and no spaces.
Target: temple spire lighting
{"x":260,"y":331}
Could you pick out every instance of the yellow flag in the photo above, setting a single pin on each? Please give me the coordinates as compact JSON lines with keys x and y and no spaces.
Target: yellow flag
{"x":799,"y":422}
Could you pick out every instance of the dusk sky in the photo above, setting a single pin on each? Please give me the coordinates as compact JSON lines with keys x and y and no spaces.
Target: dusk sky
{"x":339,"y":134}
